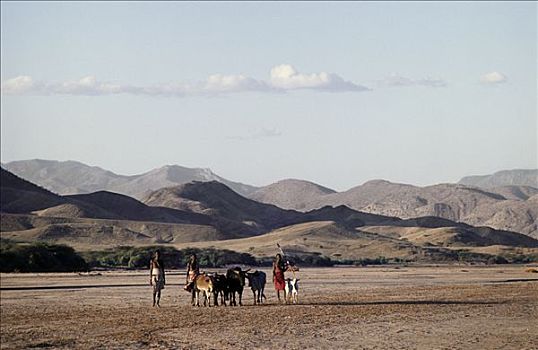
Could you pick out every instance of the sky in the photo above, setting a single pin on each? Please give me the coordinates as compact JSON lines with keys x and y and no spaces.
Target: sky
{"x":336,"y":93}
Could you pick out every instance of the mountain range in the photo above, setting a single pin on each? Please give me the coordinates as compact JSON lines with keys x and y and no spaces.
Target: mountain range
{"x":212,"y":214}
{"x":506,"y":200}
{"x":511,"y":208}
{"x":197,"y":203}
{"x":71,"y":177}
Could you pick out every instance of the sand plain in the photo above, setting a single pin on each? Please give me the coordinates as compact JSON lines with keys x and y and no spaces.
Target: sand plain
{"x":386,"y":307}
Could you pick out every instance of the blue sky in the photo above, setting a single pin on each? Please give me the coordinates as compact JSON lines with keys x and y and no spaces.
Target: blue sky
{"x":335,"y":93}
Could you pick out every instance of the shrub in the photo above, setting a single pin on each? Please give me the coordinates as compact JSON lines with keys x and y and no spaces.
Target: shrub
{"x":380,"y":260}
{"x":524,"y":259}
{"x":497,"y":259}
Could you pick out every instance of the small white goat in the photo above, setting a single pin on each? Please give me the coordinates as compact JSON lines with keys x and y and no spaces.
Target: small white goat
{"x":292,"y":290}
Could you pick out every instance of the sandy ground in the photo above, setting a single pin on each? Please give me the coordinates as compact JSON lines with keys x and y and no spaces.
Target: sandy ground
{"x":457,"y":307}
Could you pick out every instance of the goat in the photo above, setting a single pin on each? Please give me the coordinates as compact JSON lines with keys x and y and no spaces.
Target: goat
{"x":292,"y":290}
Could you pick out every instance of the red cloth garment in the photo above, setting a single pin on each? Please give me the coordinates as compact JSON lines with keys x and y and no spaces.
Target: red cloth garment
{"x":280,"y":284}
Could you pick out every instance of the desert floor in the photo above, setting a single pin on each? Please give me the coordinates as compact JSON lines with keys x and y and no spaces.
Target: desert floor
{"x":448,"y":307}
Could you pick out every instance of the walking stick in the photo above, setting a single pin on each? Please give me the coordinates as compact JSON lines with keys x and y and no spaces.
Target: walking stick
{"x":280,"y":248}
{"x":282,"y":252}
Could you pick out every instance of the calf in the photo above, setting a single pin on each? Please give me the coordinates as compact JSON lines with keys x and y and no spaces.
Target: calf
{"x":256,"y":282}
{"x":292,"y":290}
{"x":236,"y":282}
{"x":203,"y":283}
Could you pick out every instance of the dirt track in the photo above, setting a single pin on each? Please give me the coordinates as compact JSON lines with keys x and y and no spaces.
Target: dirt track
{"x":359,"y":308}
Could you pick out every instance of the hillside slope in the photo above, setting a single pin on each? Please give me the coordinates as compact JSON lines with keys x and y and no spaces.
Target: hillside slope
{"x":20,"y":196}
{"x":90,"y":234}
{"x":326,"y":238}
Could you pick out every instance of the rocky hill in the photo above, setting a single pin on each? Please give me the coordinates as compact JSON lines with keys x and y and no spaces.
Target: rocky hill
{"x":290,"y":193}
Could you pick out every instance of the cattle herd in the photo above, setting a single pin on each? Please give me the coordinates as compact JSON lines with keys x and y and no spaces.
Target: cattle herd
{"x":228,"y":288}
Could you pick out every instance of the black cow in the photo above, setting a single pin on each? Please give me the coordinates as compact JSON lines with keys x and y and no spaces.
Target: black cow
{"x":220,"y":288}
{"x":256,"y":282}
{"x":236,"y":283}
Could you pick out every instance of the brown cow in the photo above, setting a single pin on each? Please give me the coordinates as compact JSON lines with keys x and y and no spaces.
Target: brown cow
{"x":203,"y":283}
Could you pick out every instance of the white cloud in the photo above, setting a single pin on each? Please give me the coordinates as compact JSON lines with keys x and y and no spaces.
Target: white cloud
{"x":396,"y":80}
{"x":493,"y":78}
{"x":18,"y":85}
{"x":214,"y":85}
{"x":85,"y":86}
{"x":282,"y":78}
{"x":286,"y":77}
{"x":233,"y":83}
{"x":90,"y":86}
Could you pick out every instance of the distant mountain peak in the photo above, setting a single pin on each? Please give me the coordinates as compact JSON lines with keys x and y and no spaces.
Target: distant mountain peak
{"x":378,"y":182}
{"x":290,"y":193}
{"x":383,"y":182}
{"x":209,"y":174}
{"x":514,"y":177}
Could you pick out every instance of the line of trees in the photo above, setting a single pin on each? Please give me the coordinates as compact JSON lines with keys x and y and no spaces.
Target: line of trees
{"x":39,"y":257}
{"x":44,"y":257}
{"x":138,"y":257}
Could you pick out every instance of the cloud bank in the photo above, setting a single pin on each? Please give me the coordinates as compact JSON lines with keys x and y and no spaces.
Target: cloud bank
{"x":283,"y":78}
{"x":493,"y":78}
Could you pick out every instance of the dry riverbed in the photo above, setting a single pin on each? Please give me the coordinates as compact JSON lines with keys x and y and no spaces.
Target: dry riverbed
{"x":448,"y":307}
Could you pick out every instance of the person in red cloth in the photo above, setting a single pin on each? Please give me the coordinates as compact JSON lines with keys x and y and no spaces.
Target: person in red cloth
{"x":279,"y":266}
